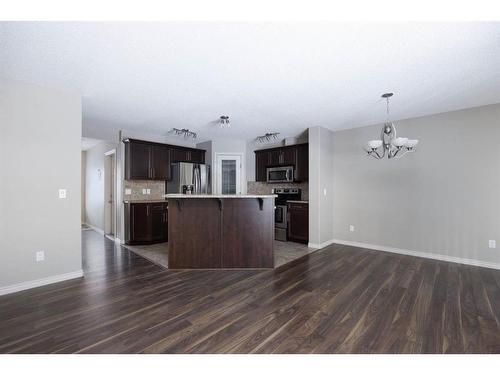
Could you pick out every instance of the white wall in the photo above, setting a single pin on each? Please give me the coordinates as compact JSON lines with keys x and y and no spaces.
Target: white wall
{"x":94,"y":183}
{"x":444,"y":199}
{"x":40,"y":153}
{"x":218,"y":146}
{"x":321,"y":207}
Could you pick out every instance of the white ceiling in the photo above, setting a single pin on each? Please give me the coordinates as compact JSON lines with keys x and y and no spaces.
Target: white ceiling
{"x":284,"y":77}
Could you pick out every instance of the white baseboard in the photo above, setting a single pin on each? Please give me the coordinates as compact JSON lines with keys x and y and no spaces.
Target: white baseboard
{"x":118,"y":241}
{"x":40,"y":282}
{"x":319,"y":245}
{"x":420,"y":254}
{"x":98,"y":230}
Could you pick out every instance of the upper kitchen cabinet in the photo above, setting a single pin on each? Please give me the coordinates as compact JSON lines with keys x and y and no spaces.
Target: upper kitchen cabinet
{"x":295,"y":155}
{"x":190,"y":155}
{"x":137,"y":161}
{"x":160,"y":162}
{"x":262,"y":160}
{"x":151,"y":161}
{"x":301,"y":172}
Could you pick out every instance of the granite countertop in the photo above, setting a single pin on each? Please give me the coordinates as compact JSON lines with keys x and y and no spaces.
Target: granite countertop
{"x":297,"y":201}
{"x":159,"y":200}
{"x":176,"y":196}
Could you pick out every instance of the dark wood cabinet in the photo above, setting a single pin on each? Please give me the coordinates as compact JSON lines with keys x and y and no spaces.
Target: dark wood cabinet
{"x":160,"y":162}
{"x":197,"y":156}
{"x":158,"y":222}
{"x":146,"y":223}
{"x":262,"y":160}
{"x":139,"y":226}
{"x":137,"y":157}
{"x":295,"y":155}
{"x":301,"y":172}
{"x":289,"y":156}
{"x":151,"y":161}
{"x":298,"y":222}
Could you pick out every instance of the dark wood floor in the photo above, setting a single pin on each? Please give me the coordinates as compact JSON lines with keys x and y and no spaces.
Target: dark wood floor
{"x":337,"y":300}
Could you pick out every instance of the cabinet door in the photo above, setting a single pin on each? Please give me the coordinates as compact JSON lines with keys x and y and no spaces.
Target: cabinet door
{"x":298,"y":222}
{"x":157,"y":213}
{"x":138,"y":161}
{"x":180,"y":155}
{"x":261,"y":163}
{"x":139,"y":222}
{"x":198,"y":156}
{"x":275,"y":157}
{"x":160,"y":160}
{"x":302,"y":165}
{"x":288,"y":156}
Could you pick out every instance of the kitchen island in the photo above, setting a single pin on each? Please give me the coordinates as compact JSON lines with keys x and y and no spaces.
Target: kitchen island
{"x":220,"y":231}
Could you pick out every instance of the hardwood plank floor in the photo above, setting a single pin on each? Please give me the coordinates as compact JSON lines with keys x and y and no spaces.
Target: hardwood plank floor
{"x":337,"y":300}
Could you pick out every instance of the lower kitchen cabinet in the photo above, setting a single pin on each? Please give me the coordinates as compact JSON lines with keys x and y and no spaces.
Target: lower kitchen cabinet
{"x":146,"y":223}
{"x":298,"y":222}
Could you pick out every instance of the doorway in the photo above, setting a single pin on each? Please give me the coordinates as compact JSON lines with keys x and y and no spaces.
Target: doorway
{"x":228,"y":173}
{"x":110,"y":194}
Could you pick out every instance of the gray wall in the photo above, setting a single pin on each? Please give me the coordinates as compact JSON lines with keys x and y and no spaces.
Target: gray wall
{"x":321,"y":208}
{"x":94,"y":183}
{"x":443,"y":199}
{"x":40,"y":152}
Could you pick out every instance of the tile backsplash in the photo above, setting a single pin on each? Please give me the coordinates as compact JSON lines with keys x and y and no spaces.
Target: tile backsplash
{"x":254,"y":187}
{"x":157,"y":189}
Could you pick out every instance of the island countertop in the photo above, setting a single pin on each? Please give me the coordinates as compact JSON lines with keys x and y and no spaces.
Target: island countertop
{"x":217,"y":196}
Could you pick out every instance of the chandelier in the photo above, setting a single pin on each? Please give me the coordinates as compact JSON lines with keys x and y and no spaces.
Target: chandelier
{"x":395,"y":147}
{"x":224,"y":122}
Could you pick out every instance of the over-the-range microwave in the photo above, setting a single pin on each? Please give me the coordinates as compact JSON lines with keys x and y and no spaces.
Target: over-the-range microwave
{"x":280,"y":174}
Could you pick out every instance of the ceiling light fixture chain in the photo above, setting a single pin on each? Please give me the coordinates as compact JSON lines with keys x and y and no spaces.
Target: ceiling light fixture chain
{"x":395,"y":147}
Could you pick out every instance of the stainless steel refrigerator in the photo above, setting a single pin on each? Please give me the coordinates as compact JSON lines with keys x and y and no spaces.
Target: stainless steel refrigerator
{"x":189,"y":178}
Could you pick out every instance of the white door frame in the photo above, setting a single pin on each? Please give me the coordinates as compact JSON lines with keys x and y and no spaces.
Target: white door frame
{"x":216,"y":173}
{"x":106,"y":192}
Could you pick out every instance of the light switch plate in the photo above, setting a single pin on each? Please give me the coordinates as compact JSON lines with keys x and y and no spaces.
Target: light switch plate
{"x":351,"y":228}
{"x":62,"y":193}
{"x":324,"y":192}
{"x":128,"y":191}
{"x":40,"y":256}
{"x":148,"y":191}
{"x":144,"y":191}
{"x":492,"y":244}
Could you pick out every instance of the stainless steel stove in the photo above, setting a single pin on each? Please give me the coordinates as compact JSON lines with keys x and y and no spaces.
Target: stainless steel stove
{"x":280,"y":212}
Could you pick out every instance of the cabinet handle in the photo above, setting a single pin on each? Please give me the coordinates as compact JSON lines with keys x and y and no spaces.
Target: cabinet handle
{"x":147,"y":210}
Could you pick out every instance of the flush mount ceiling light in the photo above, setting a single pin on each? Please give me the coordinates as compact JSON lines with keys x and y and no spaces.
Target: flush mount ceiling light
{"x":268,"y":137}
{"x":185,"y":133}
{"x":224,"y":122}
{"x":395,"y":147}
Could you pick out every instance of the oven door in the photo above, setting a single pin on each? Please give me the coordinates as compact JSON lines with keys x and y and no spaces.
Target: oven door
{"x":280,"y":216}
{"x":280,"y":174}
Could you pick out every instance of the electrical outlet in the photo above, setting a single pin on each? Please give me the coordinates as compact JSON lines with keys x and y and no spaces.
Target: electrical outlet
{"x":492,"y":244}
{"x":62,"y":193}
{"x":144,"y":191}
{"x":324,"y":192}
{"x":128,"y":191}
{"x":40,"y":256}
{"x":351,"y":228}
{"x":148,"y":191}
